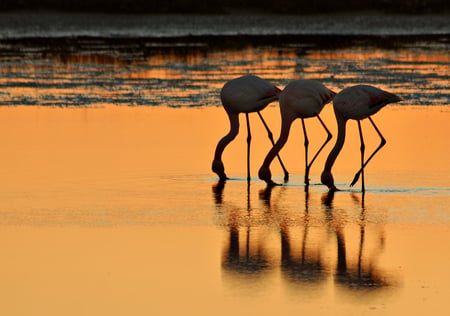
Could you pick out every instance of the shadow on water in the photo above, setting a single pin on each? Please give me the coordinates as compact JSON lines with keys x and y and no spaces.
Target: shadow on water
{"x":310,"y":245}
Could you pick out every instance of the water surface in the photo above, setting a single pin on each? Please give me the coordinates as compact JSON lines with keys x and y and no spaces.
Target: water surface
{"x":108,"y":204}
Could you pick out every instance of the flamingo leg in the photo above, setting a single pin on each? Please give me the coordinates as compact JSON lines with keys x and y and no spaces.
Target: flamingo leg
{"x":382,"y":143}
{"x":249,"y":139}
{"x":270,"y":135}
{"x":329,"y":136}
{"x":360,"y":171}
{"x":306,"y":143}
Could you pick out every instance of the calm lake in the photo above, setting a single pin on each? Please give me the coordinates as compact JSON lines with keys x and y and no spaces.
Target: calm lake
{"x":108,"y":205}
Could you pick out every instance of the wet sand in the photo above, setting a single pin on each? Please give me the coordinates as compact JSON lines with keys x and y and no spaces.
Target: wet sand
{"x":113,"y":210}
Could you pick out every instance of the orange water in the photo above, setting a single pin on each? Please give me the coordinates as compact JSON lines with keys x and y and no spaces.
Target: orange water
{"x":114,"y":211}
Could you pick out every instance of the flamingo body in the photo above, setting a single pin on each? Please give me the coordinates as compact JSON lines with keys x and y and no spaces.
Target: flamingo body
{"x":299,"y":99}
{"x":303,"y":99}
{"x":357,"y":103}
{"x":361,"y":101}
{"x":245,"y":94}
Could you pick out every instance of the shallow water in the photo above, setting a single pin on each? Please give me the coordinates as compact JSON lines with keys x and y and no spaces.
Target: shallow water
{"x":113,"y":210}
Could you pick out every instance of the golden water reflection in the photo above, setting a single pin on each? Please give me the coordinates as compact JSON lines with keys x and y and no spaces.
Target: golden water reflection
{"x":328,"y":252}
{"x":109,"y":210}
{"x":114,"y":210}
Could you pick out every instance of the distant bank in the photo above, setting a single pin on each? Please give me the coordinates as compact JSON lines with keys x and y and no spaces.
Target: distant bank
{"x":54,"y":25}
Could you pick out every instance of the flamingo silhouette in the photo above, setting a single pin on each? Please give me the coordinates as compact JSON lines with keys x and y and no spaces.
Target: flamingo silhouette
{"x":357,"y":103}
{"x":300,"y":99}
{"x":245,"y":94}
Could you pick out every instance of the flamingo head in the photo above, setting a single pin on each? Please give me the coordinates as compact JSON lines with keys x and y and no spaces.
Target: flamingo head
{"x":219,"y":169}
{"x":277,"y":90}
{"x":328,"y":180}
{"x":265,"y":174}
{"x":273,"y":91}
{"x":328,"y":96}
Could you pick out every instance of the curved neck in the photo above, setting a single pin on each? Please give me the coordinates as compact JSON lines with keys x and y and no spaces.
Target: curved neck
{"x":284,"y":134}
{"x":270,"y":99}
{"x":341,"y":122}
{"x":265,"y":101}
{"x":234,"y":129}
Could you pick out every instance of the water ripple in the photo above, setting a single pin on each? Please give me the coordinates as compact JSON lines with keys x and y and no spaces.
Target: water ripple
{"x":102,"y":72}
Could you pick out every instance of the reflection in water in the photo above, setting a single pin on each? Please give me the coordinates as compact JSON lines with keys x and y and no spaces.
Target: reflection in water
{"x":361,"y":272}
{"x":308,"y":257}
{"x":244,"y":253}
{"x":307,"y":266}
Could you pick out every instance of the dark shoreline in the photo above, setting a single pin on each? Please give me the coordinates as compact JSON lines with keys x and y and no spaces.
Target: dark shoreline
{"x":87,"y":43}
{"x":226,"y":6}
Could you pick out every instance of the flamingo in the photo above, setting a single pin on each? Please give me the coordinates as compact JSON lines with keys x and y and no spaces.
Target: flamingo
{"x":245,"y":94}
{"x":300,"y":99}
{"x":357,"y":103}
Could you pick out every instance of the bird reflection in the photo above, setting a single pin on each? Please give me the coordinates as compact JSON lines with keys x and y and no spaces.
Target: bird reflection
{"x":362,"y":272}
{"x":308,"y":265}
{"x":217,"y":190}
{"x":244,"y":252}
{"x":304,"y":259}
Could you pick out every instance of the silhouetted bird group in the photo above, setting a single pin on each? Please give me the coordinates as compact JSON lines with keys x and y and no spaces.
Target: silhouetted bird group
{"x":299,"y":99}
